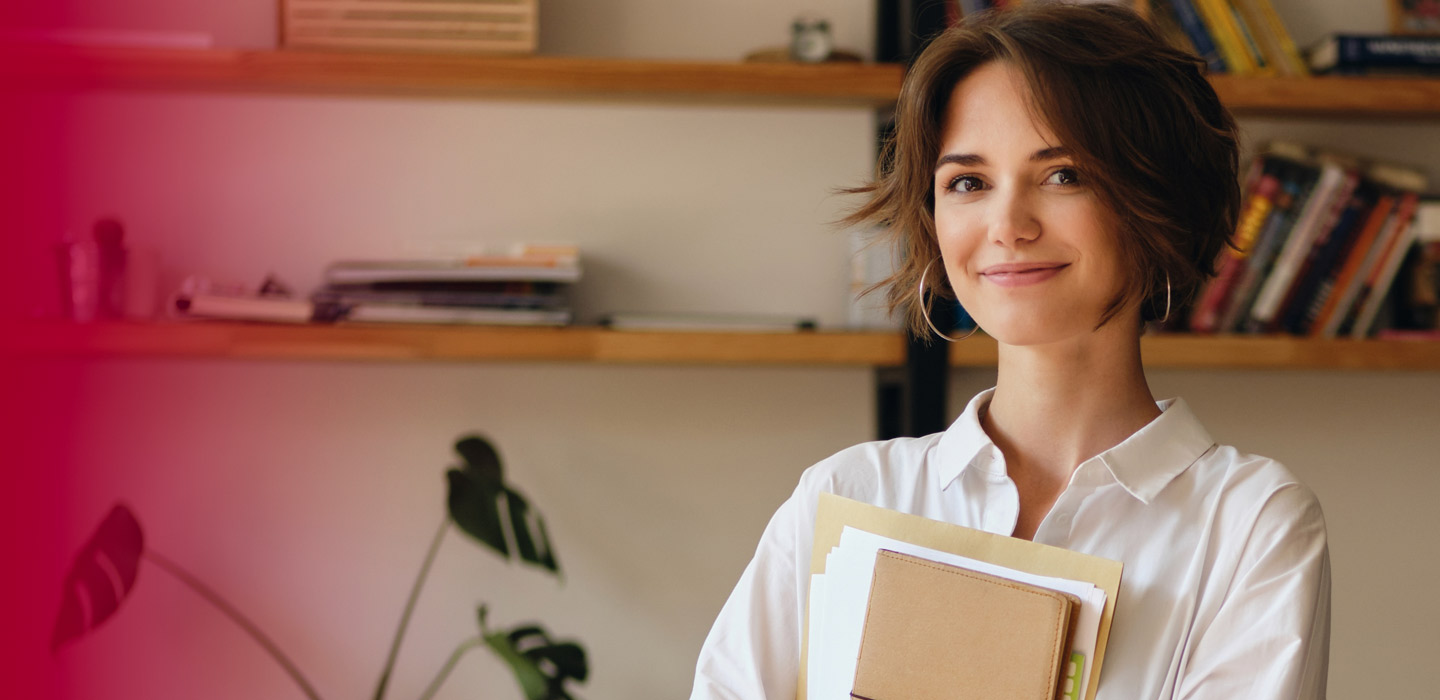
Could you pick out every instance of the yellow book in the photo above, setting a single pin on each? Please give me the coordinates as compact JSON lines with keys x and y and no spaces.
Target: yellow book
{"x":1228,"y":38}
{"x":1292,"y":60}
{"x":1263,"y":40}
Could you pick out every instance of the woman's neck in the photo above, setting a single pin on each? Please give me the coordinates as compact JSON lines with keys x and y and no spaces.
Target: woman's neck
{"x":1057,"y":405}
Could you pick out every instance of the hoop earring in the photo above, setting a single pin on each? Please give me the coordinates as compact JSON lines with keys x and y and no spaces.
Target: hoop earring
{"x":1167,"y":299}
{"x":920,"y":292}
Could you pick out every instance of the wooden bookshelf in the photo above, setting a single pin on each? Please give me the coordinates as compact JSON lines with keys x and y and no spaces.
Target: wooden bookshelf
{"x":448,"y":343}
{"x":548,"y":77}
{"x":1232,"y":352}
{"x":1330,"y":96}
{"x":450,"y":75}
{"x":471,"y":76}
{"x":596,"y":345}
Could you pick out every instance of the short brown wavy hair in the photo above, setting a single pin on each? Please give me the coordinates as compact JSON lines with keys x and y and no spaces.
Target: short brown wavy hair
{"x":1141,"y":120}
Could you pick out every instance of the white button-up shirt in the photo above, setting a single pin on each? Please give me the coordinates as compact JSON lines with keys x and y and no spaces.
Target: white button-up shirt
{"x":1226,"y":587}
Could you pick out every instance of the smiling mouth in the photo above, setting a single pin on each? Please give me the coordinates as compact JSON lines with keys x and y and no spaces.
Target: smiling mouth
{"x":1021,"y":275}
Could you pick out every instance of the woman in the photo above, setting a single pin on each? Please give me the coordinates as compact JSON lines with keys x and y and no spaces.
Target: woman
{"x":1068,"y":176}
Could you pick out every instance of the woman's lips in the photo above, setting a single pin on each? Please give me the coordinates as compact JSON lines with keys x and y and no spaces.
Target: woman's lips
{"x":1021,"y":275}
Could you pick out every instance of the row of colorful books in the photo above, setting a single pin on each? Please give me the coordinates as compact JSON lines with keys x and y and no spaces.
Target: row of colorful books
{"x":1240,"y":37}
{"x":1320,"y":242}
{"x":1247,"y":37}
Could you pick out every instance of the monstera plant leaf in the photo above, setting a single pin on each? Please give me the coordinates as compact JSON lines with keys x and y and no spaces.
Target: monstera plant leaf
{"x":477,"y":490}
{"x":101,"y":577}
{"x":542,"y":666}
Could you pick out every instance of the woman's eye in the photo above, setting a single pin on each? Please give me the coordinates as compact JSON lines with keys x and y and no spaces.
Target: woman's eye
{"x":1063,"y":176}
{"x":967,"y":183}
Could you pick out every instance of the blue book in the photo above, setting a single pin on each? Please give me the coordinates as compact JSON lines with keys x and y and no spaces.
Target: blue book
{"x":1370,"y":53}
{"x":1194,"y":28}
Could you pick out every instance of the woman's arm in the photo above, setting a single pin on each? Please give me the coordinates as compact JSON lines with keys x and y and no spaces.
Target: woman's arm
{"x":1270,"y":636}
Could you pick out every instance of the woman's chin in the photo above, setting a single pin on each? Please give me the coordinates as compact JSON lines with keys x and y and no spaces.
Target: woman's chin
{"x":1034,"y":332}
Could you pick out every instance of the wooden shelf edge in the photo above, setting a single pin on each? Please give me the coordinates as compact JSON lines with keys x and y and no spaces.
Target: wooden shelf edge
{"x":461,"y":75}
{"x":1330,"y":96}
{"x":1287,"y":352}
{"x":1242,"y":352}
{"x":439,"y":74}
{"x":595,"y":345}
{"x":372,"y":342}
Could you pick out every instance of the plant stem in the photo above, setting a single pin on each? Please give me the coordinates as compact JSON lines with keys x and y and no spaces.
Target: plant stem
{"x":410,"y":607}
{"x":235,"y":616}
{"x":449,"y":666}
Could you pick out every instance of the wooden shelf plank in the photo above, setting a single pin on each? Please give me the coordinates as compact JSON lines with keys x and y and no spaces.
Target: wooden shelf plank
{"x":1331,"y":96}
{"x":448,"y":343}
{"x":595,"y":345}
{"x":459,"y":75}
{"x":454,"y":75}
{"x":1287,"y":352}
{"x":1227,"y":352}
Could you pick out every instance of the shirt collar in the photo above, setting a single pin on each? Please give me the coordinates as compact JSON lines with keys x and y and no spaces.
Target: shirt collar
{"x":965,"y":442}
{"x":1142,"y":464}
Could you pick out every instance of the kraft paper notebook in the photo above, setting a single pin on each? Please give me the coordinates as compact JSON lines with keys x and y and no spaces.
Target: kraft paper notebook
{"x":939,"y":632}
{"x":836,"y":515}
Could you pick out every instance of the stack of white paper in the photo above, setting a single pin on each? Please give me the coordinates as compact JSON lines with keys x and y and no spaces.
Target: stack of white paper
{"x":839,"y":598}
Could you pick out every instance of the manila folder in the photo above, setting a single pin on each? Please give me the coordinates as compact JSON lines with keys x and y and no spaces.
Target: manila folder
{"x":836,"y":512}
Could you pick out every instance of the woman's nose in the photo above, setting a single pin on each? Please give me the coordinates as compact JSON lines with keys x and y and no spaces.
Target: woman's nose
{"x":1013,"y":218}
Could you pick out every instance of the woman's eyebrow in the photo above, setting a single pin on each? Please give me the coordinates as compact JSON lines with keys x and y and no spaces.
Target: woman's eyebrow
{"x":970,"y":160}
{"x":966,"y":159}
{"x":1052,"y":153}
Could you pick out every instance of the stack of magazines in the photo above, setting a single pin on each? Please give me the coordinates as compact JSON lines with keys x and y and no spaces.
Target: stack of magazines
{"x":529,"y":287}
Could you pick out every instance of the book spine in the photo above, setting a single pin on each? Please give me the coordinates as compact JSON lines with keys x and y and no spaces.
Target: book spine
{"x":1296,"y":182}
{"x":1249,"y":40}
{"x":1217,"y":292}
{"x":242,"y":308}
{"x":1357,"y":53}
{"x":1333,"y":229}
{"x":331,"y":295}
{"x":1256,"y":268}
{"x":1287,"y":265}
{"x":1314,"y":287}
{"x":1345,"y":283}
{"x":1263,"y":33}
{"x":1221,"y":26}
{"x":1194,"y":27}
{"x":1365,"y":275}
{"x":1163,"y":15}
{"x":1385,"y":274}
{"x":1417,"y":287}
{"x":1294,"y":62}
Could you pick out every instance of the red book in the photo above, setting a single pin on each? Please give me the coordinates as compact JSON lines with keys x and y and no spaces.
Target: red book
{"x":1215,"y":296}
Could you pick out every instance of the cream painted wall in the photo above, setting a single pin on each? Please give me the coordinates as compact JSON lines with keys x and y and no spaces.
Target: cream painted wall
{"x":307,"y":491}
{"x":676,"y":208}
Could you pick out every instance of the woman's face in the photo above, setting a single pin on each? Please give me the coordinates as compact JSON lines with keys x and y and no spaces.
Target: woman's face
{"x":1030,"y":250}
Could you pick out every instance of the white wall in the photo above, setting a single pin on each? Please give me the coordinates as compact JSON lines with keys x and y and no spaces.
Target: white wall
{"x":307,"y":491}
